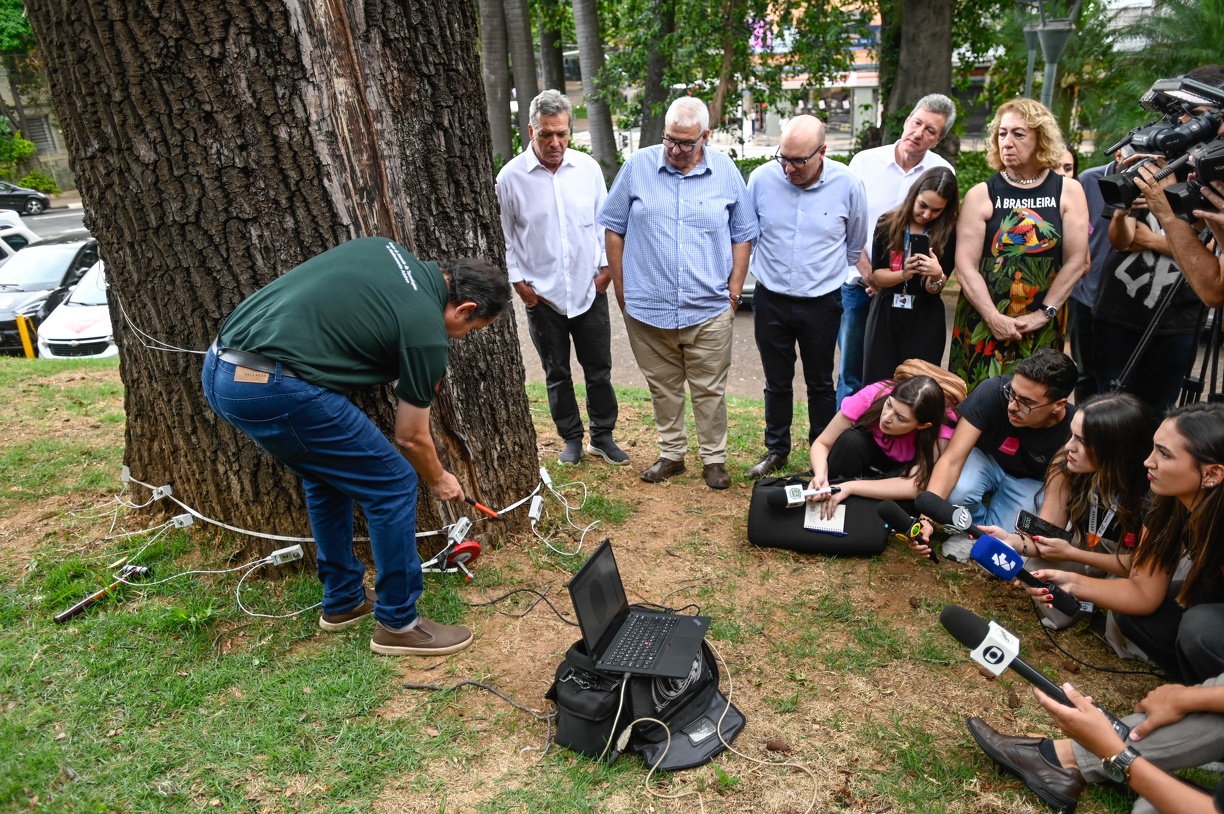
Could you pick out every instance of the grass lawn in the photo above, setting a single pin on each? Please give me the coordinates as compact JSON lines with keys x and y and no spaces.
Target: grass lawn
{"x":168,"y":697}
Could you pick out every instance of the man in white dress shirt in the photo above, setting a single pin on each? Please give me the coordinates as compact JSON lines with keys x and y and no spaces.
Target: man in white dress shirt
{"x":887,"y":173}
{"x":555,"y":256}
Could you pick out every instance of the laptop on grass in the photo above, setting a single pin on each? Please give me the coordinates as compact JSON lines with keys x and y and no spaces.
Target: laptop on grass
{"x":621,"y":639}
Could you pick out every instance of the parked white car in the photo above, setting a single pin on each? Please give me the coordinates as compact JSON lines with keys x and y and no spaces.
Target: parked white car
{"x":80,"y":327}
{"x":14,"y":234}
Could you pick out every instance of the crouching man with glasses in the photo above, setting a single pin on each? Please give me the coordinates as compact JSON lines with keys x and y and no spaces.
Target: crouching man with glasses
{"x":813,"y":216}
{"x":1009,"y":429}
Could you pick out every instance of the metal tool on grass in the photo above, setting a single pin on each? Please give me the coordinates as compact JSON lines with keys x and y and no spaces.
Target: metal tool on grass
{"x":126,"y":574}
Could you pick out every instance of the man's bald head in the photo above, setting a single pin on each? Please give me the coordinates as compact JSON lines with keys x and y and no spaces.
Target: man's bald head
{"x":801,"y":150}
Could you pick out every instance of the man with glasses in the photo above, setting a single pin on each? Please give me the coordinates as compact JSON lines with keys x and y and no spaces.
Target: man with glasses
{"x":549,"y":196}
{"x":887,"y":173}
{"x":813,"y":217}
{"x":679,"y":231}
{"x":1009,"y":429}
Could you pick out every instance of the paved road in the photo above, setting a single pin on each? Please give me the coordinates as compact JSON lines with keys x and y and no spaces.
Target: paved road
{"x":55,"y":222}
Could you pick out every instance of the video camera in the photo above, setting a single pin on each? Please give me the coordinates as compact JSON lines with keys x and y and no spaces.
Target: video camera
{"x":1189,"y":146}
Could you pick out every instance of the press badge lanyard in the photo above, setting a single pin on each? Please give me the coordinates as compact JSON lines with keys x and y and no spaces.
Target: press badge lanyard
{"x":1095,"y":533}
{"x":904,"y":300}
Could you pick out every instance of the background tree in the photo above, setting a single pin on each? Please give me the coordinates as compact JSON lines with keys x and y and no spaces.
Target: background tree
{"x":495,"y":71}
{"x":553,"y":26}
{"x":591,"y":62}
{"x":522,"y":60}
{"x":924,"y":32}
{"x":219,"y":143}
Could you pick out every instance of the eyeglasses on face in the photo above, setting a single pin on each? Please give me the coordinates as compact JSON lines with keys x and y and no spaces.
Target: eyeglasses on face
{"x":1022,"y":405}
{"x":797,"y":163}
{"x":682,"y":146}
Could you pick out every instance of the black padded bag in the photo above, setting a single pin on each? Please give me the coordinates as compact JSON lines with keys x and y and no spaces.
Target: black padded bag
{"x":781,"y":527}
{"x":587,"y":700}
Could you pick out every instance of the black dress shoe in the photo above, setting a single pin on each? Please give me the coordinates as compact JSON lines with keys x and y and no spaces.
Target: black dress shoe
{"x":1057,"y":787}
{"x":716,"y":476}
{"x":772,"y":462}
{"x":662,"y":469}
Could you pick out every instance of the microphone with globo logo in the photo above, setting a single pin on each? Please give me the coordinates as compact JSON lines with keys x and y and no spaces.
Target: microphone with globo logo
{"x":996,"y":649}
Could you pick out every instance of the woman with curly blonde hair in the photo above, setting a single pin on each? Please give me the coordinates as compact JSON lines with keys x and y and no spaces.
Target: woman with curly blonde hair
{"x":1021,"y":240}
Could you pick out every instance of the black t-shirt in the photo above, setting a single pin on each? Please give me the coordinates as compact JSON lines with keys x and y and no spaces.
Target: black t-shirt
{"x":1132,"y":284}
{"x":1219,"y":798}
{"x":881,"y":258}
{"x":1022,"y":452}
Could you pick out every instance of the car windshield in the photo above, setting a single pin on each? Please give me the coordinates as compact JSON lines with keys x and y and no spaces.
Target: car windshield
{"x":37,"y":268}
{"x":92,"y":288}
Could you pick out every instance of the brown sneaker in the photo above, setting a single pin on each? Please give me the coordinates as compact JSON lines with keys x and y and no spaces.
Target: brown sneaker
{"x":342,"y":620}
{"x":426,"y":639}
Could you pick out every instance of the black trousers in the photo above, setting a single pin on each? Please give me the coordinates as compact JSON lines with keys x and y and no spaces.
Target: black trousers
{"x":591,"y":333}
{"x":1187,"y":643}
{"x":781,"y":323}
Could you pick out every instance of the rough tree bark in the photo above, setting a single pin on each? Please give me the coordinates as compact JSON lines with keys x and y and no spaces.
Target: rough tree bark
{"x":924,"y":64}
{"x":654,"y":91}
{"x":495,"y":70}
{"x":522,"y":59}
{"x":219,"y":143}
{"x":591,"y":62}
{"x":732,"y":15}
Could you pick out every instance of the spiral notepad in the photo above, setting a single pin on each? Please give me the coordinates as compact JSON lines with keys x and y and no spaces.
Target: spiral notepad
{"x":812,"y":521}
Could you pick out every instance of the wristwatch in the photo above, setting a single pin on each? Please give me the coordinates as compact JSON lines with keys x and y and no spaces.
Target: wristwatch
{"x":1051,"y":312}
{"x":1118,"y":766}
{"x":739,"y":300}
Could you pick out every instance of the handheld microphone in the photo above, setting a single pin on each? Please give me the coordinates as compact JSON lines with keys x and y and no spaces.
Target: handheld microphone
{"x":794,"y":495}
{"x":1000,"y":559}
{"x":996,"y":649}
{"x":954,"y":519}
{"x":991,"y":553}
{"x":901,"y":523}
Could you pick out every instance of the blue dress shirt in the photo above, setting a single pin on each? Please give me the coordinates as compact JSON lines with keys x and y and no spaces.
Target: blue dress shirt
{"x":808,"y":236}
{"x":678,"y":231}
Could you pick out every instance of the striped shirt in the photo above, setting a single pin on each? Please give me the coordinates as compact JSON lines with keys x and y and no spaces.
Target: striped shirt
{"x":678,"y":231}
{"x":807,"y":235}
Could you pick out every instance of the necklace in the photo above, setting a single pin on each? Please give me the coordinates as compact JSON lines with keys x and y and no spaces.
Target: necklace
{"x":1021,"y":181}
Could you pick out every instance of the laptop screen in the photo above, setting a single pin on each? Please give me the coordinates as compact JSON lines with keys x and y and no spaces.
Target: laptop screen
{"x":598,"y":596}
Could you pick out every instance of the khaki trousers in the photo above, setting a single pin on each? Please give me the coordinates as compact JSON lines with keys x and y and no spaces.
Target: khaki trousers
{"x":699,"y":355}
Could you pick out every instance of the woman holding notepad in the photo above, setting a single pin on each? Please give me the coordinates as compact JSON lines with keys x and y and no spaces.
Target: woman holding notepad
{"x":883,"y":442}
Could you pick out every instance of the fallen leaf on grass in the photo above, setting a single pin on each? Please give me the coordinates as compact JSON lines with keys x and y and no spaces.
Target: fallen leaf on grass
{"x":61,"y":736}
{"x":775,"y":745}
{"x":432,"y":731}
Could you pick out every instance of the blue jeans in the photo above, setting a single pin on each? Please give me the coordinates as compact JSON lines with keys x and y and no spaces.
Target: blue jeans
{"x":980,"y":476}
{"x":856,"y":304}
{"x":342,"y":459}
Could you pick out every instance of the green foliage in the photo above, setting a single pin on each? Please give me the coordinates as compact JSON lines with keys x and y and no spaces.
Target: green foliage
{"x":1088,"y":72}
{"x":971,"y":170}
{"x":716,"y":42}
{"x":39,"y":181}
{"x":13,"y":149}
{"x":15,"y":33}
{"x":1178,"y":36}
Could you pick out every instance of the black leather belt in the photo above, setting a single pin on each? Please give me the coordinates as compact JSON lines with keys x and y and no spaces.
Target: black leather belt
{"x":254,"y":361}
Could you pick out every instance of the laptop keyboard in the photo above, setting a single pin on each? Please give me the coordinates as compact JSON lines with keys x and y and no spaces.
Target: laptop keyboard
{"x":644,"y":634}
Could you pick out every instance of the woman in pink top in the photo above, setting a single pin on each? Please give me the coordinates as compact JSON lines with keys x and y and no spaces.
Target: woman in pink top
{"x":883,"y":442}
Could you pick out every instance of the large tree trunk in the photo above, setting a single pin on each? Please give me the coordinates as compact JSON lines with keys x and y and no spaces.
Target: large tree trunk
{"x":924,"y":64}
{"x":654,"y":89}
{"x":591,"y":62}
{"x":522,"y":58}
{"x":733,"y":30}
{"x":495,"y":70}
{"x":552,"y":53}
{"x":219,"y":143}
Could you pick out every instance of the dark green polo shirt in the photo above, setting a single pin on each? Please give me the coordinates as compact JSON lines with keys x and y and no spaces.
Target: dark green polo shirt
{"x":366,"y":312}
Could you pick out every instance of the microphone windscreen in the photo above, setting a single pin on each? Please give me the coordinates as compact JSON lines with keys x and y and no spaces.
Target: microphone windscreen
{"x":897,"y":518}
{"x":965,"y":626}
{"x":996,"y":556}
{"x":934,"y":507}
{"x":777,"y":498}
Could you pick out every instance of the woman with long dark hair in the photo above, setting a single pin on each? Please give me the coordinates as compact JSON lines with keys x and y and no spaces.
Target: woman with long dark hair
{"x":906,"y":320}
{"x":883,"y":442}
{"x":1178,"y":625}
{"x":1095,"y":488}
